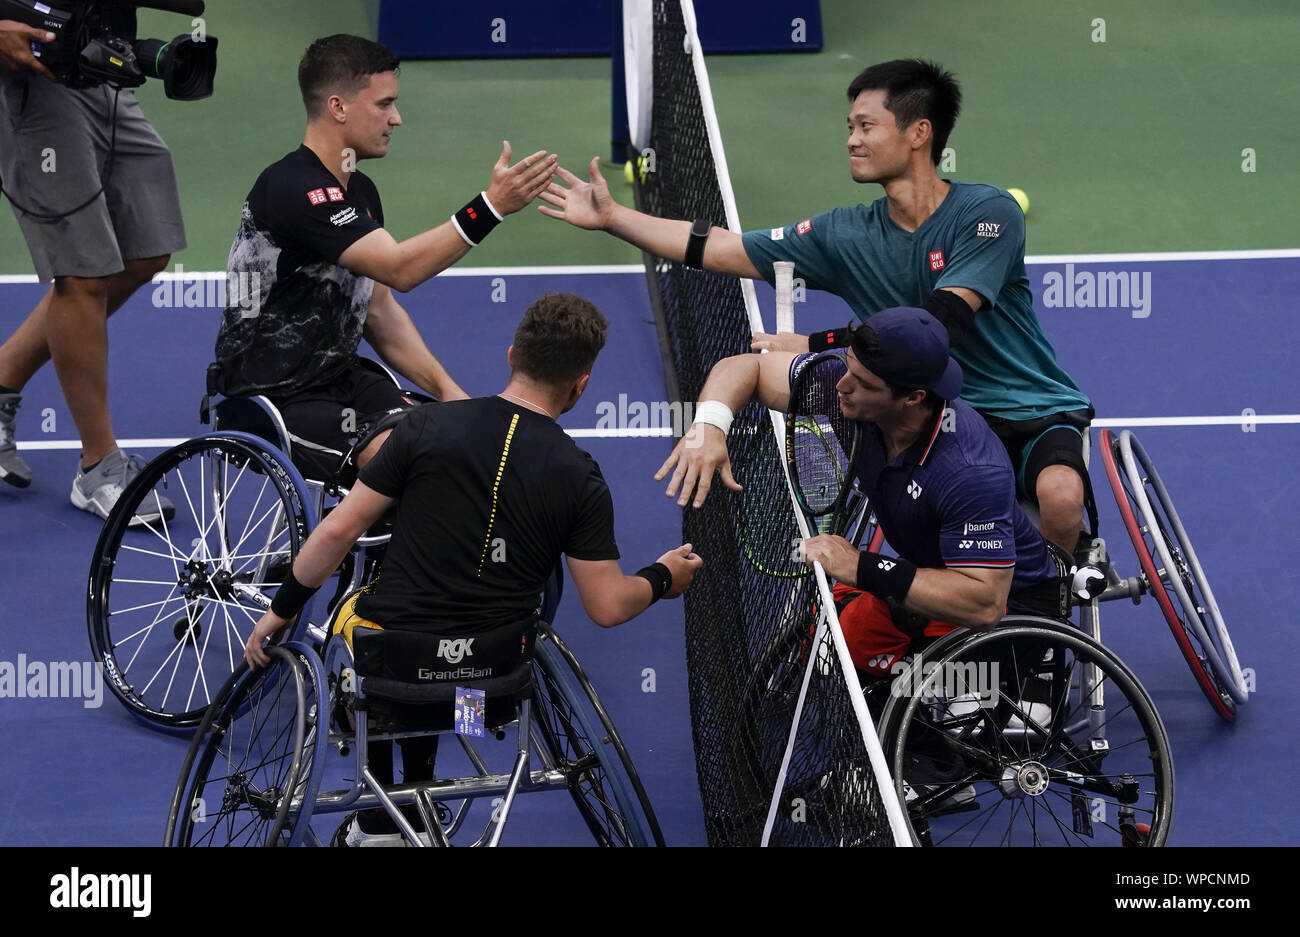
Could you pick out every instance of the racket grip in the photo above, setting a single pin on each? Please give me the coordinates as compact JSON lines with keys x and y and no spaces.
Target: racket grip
{"x":784,"y":271}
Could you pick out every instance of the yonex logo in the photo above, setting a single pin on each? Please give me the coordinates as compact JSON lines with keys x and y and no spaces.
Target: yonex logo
{"x":965,"y":544}
{"x":914,"y":490}
{"x":988,"y":229}
{"x":453,"y":650}
{"x":886,"y":565}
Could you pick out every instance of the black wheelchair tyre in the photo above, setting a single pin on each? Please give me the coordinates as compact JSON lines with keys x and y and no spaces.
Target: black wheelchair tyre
{"x":170,"y":606}
{"x":250,"y":775}
{"x":965,"y":774}
{"x":584,"y":744}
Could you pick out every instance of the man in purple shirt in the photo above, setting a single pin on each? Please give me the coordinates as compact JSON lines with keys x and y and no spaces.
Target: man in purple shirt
{"x":939,"y":480}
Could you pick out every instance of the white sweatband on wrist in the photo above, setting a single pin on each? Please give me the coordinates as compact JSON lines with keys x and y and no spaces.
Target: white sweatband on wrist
{"x":715,"y":413}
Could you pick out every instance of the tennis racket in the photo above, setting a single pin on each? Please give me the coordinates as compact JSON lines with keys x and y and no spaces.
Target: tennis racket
{"x":821,"y":443}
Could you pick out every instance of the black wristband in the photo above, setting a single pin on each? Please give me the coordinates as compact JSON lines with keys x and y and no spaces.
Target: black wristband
{"x":291,"y":596}
{"x":820,"y":341}
{"x":660,"y":579}
{"x":700,"y":229}
{"x":886,"y":577}
{"x":476,"y":220}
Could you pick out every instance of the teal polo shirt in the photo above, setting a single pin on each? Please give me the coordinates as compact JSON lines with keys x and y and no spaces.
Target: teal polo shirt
{"x":976,"y":240}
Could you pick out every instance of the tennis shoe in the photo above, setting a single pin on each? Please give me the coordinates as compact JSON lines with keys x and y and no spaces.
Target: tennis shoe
{"x":12,"y":467}
{"x":99,"y":489}
{"x":375,"y":828}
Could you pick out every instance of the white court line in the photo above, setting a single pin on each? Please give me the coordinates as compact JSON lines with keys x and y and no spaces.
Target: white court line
{"x":602,"y":433}
{"x":561,"y":270}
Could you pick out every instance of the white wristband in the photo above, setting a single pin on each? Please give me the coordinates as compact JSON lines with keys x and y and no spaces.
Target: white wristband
{"x":715,"y":413}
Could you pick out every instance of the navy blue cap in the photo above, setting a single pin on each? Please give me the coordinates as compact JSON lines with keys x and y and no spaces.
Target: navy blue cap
{"x":914,"y":352}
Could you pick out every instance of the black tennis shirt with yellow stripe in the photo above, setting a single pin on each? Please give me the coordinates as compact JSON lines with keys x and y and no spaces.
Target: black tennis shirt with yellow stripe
{"x":489,"y":495}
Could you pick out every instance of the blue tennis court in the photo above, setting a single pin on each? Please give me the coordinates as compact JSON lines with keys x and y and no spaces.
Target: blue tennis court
{"x":1190,"y":356}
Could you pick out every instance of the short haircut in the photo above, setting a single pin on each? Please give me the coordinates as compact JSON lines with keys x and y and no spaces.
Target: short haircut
{"x":340,"y":64}
{"x":915,"y":89}
{"x":558,"y":339}
{"x":866,"y":348}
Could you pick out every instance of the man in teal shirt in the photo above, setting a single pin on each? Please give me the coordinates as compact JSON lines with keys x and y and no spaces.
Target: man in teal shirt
{"x":953,"y":248}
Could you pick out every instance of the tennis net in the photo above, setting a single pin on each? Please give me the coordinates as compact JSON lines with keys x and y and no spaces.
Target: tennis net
{"x":785,"y":751}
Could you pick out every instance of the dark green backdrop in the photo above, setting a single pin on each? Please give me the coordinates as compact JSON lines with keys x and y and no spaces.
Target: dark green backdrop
{"x":1134,"y":144}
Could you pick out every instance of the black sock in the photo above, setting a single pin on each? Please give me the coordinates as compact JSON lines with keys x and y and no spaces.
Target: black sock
{"x":7,"y":390}
{"x":91,"y":468}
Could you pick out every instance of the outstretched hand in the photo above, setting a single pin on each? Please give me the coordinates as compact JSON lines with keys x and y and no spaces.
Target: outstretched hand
{"x":513,"y":187}
{"x":584,"y":204}
{"x":700,"y":453}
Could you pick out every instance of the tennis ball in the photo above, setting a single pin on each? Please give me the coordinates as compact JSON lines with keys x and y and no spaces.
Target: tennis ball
{"x":1018,"y":194}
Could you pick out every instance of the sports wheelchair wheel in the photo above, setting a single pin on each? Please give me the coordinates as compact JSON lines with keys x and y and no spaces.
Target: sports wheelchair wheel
{"x":252,"y":770}
{"x":581,"y":740}
{"x":992,"y":743}
{"x":171,"y":604}
{"x":1172,"y":572}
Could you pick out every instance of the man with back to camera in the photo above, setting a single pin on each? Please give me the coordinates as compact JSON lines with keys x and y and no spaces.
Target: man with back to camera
{"x":322,"y":267}
{"x":955,"y":249}
{"x":489,"y":493}
{"x":100,"y":228}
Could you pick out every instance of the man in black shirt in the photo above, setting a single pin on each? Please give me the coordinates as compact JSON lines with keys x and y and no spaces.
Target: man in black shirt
{"x":312,"y":270}
{"x":489,"y":493}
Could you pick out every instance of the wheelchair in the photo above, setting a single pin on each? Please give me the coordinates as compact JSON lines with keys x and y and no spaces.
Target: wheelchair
{"x":253,"y":772}
{"x":170,"y":604}
{"x":1035,"y":733}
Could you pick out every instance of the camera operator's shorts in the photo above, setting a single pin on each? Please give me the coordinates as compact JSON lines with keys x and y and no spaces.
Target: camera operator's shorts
{"x":54,"y":155}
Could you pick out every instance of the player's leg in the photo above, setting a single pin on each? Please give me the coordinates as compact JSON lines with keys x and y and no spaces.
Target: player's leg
{"x":1054,"y":475}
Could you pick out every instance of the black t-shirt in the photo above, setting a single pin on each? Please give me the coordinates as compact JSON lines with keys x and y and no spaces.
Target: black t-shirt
{"x":489,"y":495}
{"x":293,"y":316}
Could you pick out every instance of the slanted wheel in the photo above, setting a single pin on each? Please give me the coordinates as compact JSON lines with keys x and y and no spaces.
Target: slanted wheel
{"x":172,"y":603}
{"x":991,"y":743}
{"x":580,"y":738}
{"x":252,"y":770}
{"x":1172,"y":571}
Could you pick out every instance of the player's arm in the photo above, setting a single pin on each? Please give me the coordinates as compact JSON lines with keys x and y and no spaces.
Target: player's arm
{"x":611,"y":597}
{"x":732,"y":383}
{"x":972,"y":596}
{"x":589,"y":205}
{"x":324,"y":550}
{"x":954,"y":306}
{"x":404,"y":265}
{"x":391,"y":332}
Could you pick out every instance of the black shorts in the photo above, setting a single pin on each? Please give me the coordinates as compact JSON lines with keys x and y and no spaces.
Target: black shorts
{"x":325,"y":421}
{"x":1055,"y":439}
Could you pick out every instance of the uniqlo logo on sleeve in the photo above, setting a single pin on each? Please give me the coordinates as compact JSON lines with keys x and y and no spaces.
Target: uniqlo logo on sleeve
{"x":316,"y":196}
{"x":804,"y":226}
{"x":936,"y":260}
{"x":335,"y":193}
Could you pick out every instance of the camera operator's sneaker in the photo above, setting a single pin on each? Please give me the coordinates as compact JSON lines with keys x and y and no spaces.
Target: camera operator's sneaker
{"x":97,"y":490}
{"x":12,"y":467}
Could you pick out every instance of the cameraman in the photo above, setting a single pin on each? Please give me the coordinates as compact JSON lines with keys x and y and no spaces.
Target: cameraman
{"x":100,"y":226}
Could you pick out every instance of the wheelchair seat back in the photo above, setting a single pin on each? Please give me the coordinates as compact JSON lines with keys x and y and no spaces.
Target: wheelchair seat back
{"x":413,"y":675}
